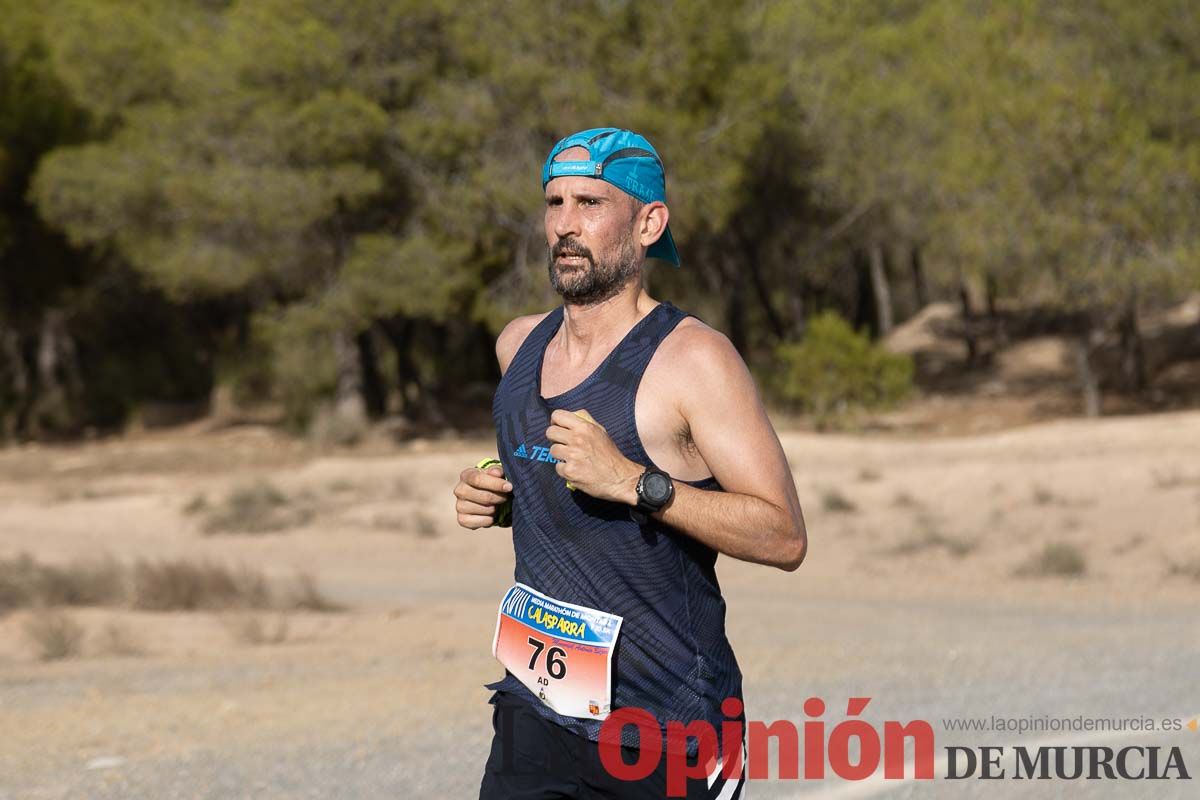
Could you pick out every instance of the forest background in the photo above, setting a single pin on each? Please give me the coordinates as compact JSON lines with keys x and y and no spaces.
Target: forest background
{"x":331,"y":208}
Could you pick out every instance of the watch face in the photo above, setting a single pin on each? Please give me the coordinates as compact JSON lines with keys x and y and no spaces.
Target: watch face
{"x":657,"y":488}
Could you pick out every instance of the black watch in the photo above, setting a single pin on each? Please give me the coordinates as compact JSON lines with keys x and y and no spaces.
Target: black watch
{"x":654,"y":491}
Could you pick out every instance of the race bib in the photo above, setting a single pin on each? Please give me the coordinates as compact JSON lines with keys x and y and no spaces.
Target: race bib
{"x":560,"y":651}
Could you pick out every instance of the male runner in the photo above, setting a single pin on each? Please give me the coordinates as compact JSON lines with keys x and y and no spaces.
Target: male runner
{"x":634,"y":448}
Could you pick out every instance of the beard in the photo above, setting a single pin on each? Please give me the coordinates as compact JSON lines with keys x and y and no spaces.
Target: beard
{"x":597,"y":281}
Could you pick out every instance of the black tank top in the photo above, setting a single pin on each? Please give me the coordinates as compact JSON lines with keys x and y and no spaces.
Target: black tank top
{"x":672,"y":657}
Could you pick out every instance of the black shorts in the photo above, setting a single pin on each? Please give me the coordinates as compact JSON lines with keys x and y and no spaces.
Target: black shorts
{"x":534,"y":759}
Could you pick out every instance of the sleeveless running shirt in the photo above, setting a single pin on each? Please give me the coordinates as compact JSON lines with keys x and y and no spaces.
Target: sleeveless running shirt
{"x":672,"y":657}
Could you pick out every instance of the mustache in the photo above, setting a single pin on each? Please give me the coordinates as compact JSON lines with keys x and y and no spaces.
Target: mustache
{"x":570,"y":247}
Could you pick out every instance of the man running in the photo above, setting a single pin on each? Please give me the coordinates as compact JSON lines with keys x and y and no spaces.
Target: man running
{"x":634,"y":447}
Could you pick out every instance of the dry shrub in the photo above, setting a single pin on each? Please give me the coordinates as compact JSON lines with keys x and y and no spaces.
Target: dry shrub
{"x":836,"y":502}
{"x":305,"y":595}
{"x":1186,"y":569}
{"x":258,"y":507}
{"x":19,"y":582}
{"x":190,"y":586}
{"x":253,"y":629}
{"x":1173,"y":478}
{"x":930,"y":537}
{"x":54,"y":633}
{"x":1057,"y":559}
{"x":425,"y":525}
{"x":197,"y":504}
{"x":24,"y":582}
{"x":116,"y":639}
{"x":84,"y":583}
{"x":166,"y":585}
{"x":1043,"y":496}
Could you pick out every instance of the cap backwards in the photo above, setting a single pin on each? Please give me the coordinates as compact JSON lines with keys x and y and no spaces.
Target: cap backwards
{"x":626,"y":160}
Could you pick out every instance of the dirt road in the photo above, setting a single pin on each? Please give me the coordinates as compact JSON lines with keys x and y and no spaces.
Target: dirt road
{"x":928,"y":588}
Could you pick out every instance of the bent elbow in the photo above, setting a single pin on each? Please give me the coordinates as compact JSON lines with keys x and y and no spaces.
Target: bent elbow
{"x":795,"y":551}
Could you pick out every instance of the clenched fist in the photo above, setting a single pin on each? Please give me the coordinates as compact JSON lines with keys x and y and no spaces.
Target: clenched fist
{"x":480,"y":493}
{"x":589,"y":460}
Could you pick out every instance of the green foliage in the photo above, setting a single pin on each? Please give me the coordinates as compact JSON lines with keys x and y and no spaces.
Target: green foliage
{"x":836,"y":369}
{"x":284,"y":188}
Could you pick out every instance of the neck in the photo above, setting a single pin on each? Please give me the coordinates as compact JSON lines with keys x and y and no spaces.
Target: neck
{"x":602,"y":324}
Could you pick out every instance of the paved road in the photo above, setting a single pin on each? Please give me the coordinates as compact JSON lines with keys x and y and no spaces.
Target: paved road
{"x":916,"y":658}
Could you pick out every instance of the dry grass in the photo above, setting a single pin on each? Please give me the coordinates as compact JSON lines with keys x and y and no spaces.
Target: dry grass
{"x":167,"y":585}
{"x":258,"y":507}
{"x":54,"y":634}
{"x":193,"y":586}
{"x":833,"y":501}
{"x":24,"y":583}
{"x":253,"y":629}
{"x":116,"y":639}
{"x":1057,"y":559}
{"x":1186,"y":569}
{"x":1043,"y":496}
{"x":197,"y":504}
{"x":1173,"y":478}
{"x":305,"y":595}
{"x":425,"y":525}
{"x":930,"y":537}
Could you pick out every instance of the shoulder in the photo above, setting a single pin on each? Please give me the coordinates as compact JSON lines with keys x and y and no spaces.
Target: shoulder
{"x":696,"y":349}
{"x":700,"y":369}
{"x":514,"y":334}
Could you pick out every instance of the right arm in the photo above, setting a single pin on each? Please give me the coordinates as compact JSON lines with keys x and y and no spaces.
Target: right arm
{"x":479,"y":492}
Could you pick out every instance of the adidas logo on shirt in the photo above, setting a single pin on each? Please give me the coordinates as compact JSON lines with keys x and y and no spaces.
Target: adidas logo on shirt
{"x":535,"y":453}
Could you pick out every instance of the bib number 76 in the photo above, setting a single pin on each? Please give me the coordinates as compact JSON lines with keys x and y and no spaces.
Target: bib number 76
{"x":556,"y":659}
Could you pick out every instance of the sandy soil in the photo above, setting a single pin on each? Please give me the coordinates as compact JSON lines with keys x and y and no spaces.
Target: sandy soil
{"x":911,"y":594}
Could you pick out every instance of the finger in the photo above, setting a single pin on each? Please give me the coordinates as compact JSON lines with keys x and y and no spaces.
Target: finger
{"x":487,"y":481}
{"x":557,"y":433}
{"x":561,"y":469}
{"x":559,"y":451}
{"x":584,"y":415}
{"x":471,"y":507}
{"x":481,"y":496}
{"x":474,"y":521}
{"x":563,"y":418}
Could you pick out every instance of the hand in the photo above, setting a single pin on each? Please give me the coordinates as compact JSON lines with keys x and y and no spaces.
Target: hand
{"x":589,"y":460}
{"x":479,"y":492}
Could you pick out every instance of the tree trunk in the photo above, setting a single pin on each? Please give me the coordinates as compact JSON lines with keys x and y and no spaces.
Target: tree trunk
{"x":970,"y":335}
{"x":374,"y":390}
{"x":864,"y":299}
{"x":920,"y":286}
{"x":16,"y":383}
{"x":57,"y":376}
{"x":991,"y":289}
{"x":763,"y":292}
{"x":799,"y":318}
{"x":1133,"y":348}
{"x":398,"y":331}
{"x":1088,"y":383}
{"x":881,"y":290}
{"x":348,"y":404}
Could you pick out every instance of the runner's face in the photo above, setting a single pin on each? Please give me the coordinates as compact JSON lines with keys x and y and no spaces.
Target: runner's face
{"x":590,"y":228}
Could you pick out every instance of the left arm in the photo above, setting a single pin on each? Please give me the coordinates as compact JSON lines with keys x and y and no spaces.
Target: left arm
{"x":758,"y":517}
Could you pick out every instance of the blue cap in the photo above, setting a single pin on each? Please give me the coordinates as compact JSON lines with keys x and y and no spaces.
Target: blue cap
{"x":626,"y":160}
